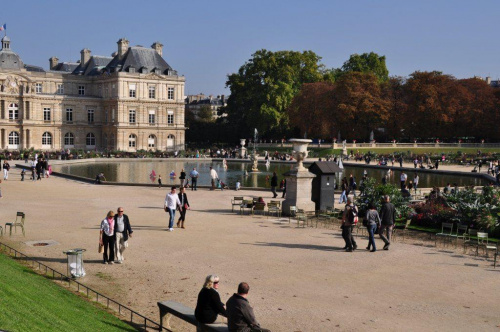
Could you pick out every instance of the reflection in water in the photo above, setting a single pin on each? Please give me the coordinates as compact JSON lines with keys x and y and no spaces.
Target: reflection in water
{"x":139,"y":171}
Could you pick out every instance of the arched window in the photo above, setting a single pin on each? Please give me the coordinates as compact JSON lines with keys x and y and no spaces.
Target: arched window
{"x":46,"y":139}
{"x":151,"y":141}
{"x":90,"y":139}
{"x":13,"y":112}
{"x":69,"y":139}
{"x":132,"y":141}
{"x":13,"y":138}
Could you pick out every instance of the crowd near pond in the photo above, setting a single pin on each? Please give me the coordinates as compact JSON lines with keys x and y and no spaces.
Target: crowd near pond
{"x":147,"y":171}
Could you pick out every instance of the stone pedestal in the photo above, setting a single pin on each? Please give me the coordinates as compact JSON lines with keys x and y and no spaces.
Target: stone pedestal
{"x":298,"y":191}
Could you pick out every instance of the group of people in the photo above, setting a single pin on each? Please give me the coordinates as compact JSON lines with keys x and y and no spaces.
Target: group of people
{"x":173,"y":202}
{"x":114,"y":233}
{"x":374,"y":222}
{"x":239,"y":313}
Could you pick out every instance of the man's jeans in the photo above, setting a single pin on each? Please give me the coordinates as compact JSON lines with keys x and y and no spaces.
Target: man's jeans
{"x":171,"y":212}
{"x":388,"y":229}
{"x":194,"y":183}
{"x":343,"y":197}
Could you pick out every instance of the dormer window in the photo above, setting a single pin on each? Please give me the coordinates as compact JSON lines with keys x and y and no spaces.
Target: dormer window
{"x":131,"y":69}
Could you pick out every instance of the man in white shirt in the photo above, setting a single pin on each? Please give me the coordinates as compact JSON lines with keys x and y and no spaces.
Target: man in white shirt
{"x":403,"y":179}
{"x":213,"y":176}
{"x":171,"y":203}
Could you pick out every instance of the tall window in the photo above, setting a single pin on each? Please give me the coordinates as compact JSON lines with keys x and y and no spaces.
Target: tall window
{"x":131,"y":90}
{"x":131,"y":141}
{"x":90,"y":140}
{"x":152,"y":116}
{"x":170,"y":118}
{"x":105,"y":141}
{"x":81,"y":90}
{"x":69,"y":139}
{"x":46,"y":138}
{"x":113,"y":115}
{"x":90,"y":116}
{"x":69,"y":115}
{"x":131,"y":116}
{"x":60,"y":89}
{"x":13,"y":138}
{"x":152,"y":92}
{"x":105,"y":116}
{"x":151,"y":141}
{"x":38,"y":87}
{"x":46,"y":114}
{"x":170,"y":93}
{"x":112,"y":141}
{"x":13,"y":112}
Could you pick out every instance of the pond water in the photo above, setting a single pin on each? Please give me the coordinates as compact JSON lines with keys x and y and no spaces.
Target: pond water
{"x":139,"y":171}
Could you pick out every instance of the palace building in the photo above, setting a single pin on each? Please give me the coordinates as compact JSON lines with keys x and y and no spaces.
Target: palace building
{"x":132,"y":100}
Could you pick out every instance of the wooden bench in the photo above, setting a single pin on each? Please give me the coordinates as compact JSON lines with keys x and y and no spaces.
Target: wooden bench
{"x":171,"y":308}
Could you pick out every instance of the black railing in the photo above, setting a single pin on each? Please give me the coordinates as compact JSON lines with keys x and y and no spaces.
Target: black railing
{"x":140,"y":320}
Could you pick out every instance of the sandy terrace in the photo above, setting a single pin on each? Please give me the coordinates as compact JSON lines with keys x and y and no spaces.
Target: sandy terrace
{"x":300,"y":279}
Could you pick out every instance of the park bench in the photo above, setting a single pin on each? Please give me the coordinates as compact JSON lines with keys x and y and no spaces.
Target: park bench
{"x":171,"y":308}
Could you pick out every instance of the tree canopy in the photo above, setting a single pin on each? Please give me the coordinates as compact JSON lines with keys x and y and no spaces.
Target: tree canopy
{"x":366,"y":63}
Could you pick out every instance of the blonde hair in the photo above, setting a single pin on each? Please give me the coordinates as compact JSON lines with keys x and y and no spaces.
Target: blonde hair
{"x":210,"y":280}
{"x":110,"y":214}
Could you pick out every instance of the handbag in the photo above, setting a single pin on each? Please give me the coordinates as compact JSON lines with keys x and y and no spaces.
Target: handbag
{"x":185,"y":206}
{"x":101,"y":248}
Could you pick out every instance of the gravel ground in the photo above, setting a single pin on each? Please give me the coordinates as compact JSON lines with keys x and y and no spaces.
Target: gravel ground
{"x":300,"y":279}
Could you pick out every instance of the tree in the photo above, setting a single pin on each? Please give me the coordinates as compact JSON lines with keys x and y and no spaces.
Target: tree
{"x":205,"y":114}
{"x":309,"y":110}
{"x":366,"y":63}
{"x":264,"y":87}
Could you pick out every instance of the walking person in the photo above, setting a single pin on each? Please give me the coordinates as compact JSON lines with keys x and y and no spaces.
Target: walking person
{"x":182,"y":178}
{"x":343,"y":196}
{"x":183,"y":207}
{"x":171,"y":204}
{"x":274,"y":184}
{"x":159,"y":181}
{"x":240,"y":315}
{"x":403,"y":179}
{"x":284,"y":188}
{"x":372,"y":221}
{"x":6,"y":168}
{"x":348,"y":223}
{"x":213,"y":177}
{"x":122,"y":232}
{"x":107,"y":238}
{"x":194,"y":179}
{"x":209,"y":305}
{"x":388,"y":218}
{"x":352,"y":185}
{"x":415,"y":182}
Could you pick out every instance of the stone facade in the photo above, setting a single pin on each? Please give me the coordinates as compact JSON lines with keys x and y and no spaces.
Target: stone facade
{"x":130,"y":101}
{"x":194,"y":104}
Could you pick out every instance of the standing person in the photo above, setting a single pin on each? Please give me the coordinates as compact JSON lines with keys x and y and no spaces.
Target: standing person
{"x":436,"y":165}
{"x":6,"y":168}
{"x":240,"y":316}
{"x":23,"y":172}
{"x":274,"y":184}
{"x":415,"y":182}
{"x":122,"y":232}
{"x":159,"y":181}
{"x":401,"y":161}
{"x":182,"y":178}
{"x":183,"y":207}
{"x":194,"y":179}
{"x":209,"y":304}
{"x":384,"y":179}
{"x":171,"y":203}
{"x":213,"y":177}
{"x":284,"y":188}
{"x":348,"y":222}
{"x":343,"y":196}
{"x":107,"y":238}
{"x":372,"y":221}
{"x":403,"y":179}
{"x":352,"y":185}
{"x":388,"y":218}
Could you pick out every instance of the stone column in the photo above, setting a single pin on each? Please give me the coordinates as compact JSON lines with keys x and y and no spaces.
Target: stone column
{"x":299,"y":180}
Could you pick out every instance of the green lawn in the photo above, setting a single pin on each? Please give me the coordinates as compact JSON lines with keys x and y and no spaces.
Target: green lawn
{"x":30,"y":302}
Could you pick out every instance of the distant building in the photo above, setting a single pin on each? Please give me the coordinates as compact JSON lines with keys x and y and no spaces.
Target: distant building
{"x":194,"y":103}
{"x":494,"y":84}
{"x":129,"y":101}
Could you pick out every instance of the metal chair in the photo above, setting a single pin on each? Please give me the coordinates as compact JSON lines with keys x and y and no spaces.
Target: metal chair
{"x":359,"y":227}
{"x":446,"y":232}
{"x":273,"y":208}
{"x":247,"y":204}
{"x":461,"y":233}
{"x":293,"y":213}
{"x":482,"y":242}
{"x":19,"y":222}
{"x":468,"y":240}
{"x":301,"y":216}
{"x":236,"y":201}
{"x":259,"y":207}
{"x":403,"y":230}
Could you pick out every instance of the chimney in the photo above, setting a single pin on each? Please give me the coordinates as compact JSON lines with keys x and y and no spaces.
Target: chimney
{"x":85,"y":56}
{"x":122,"y":47}
{"x":158,"y":47}
{"x":488,"y":80}
{"x":53,"y":62}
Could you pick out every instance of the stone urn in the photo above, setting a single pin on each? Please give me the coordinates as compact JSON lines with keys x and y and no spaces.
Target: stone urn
{"x":243,"y":150}
{"x":242,"y":142}
{"x":300,"y":151}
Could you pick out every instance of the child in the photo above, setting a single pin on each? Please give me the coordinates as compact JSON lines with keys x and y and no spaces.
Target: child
{"x":238,"y":185}
{"x":22,"y":174}
{"x":159,"y":181}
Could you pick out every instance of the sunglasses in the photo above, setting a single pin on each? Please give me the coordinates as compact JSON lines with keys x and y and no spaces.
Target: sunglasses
{"x":120,"y":211}
{"x":216,"y":282}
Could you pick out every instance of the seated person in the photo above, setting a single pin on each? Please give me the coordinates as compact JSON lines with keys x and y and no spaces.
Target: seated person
{"x":405,"y":192}
{"x":240,"y":316}
{"x":261,"y":200}
{"x":209,"y":304}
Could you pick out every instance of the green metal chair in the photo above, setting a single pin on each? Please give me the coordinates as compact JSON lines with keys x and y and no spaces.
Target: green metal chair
{"x":446,"y":233}
{"x":19,"y":222}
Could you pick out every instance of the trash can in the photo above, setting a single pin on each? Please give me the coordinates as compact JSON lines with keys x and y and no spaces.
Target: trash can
{"x":75,"y":262}
{"x":323,"y":185}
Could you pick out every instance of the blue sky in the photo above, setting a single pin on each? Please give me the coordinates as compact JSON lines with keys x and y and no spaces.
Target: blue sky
{"x":206,"y":40}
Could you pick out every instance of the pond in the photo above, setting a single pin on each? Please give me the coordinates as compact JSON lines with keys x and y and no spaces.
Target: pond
{"x":139,"y":171}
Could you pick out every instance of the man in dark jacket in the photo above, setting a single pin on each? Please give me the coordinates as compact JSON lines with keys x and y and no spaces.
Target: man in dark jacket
{"x":122,"y":232}
{"x":240,"y":316}
{"x":274,"y":184}
{"x":388,"y":218}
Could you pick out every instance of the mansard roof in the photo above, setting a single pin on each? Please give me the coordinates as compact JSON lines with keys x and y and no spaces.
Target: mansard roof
{"x":139,"y":57}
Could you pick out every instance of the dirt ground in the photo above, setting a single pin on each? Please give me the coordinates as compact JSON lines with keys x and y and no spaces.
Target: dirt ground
{"x":299,"y":278}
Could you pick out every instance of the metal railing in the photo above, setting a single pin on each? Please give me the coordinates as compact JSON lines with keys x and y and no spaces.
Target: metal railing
{"x":140,"y":320}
